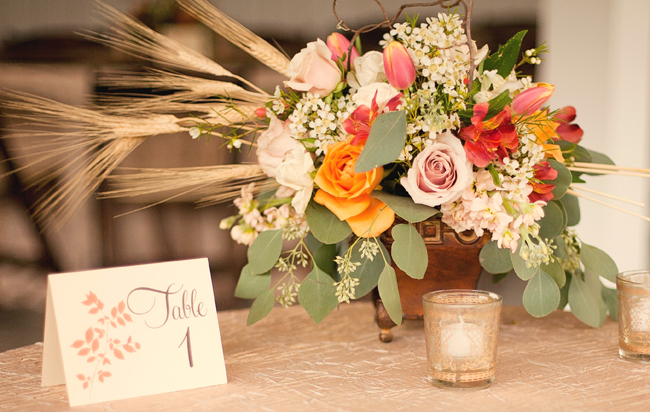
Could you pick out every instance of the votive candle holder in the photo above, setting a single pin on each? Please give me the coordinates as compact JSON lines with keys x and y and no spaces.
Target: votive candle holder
{"x":633,"y":293}
{"x":461,"y":329}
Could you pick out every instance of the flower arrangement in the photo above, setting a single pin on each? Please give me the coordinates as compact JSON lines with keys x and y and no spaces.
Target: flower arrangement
{"x":354,"y":144}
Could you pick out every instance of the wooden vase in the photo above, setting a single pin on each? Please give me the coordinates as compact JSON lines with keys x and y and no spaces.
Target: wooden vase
{"x":453,"y":264}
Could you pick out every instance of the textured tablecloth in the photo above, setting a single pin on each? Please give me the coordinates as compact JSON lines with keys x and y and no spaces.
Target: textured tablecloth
{"x":287,"y":363}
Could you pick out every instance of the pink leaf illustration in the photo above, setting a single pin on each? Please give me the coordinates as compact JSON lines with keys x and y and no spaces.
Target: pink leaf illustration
{"x":81,"y":377}
{"x":101,"y":378}
{"x":77,"y":344}
{"x":91,"y":359}
{"x":118,"y":354}
{"x":83,"y":352}
{"x":108,"y":374}
{"x":113,"y":324}
{"x":97,"y":330}
{"x":89,"y":335}
{"x":93,"y":311}
{"x":137,"y":345}
{"x":95,"y":345}
{"x":106,"y":361}
{"x":116,"y":341}
{"x":128,"y":317}
{"x":121,"y":321}
{"x":101,"y":320}
{"x":128,"y":348}
{"x":121,"y":306}
{"x":129,"y":340}
{"x":114,"y":312}
{"x":85,"y":384}
{"x":90,"y":299}
{"x":100,"y":304}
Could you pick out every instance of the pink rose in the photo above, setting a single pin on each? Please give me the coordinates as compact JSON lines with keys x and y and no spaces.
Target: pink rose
{"x":440,"y":173}
{"x":273,"y":145}
{"x":312,"y":70}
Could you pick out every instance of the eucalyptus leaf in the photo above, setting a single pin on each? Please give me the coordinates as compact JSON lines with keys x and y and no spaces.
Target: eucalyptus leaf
{"x":265,"y":251}
{"x":312,"y":243}
{"x":262,"y":306}
{"x":389,"y":294}
{"x":250,"y":286}
{"x":385,"y":141}
{"x":584,"y":305}
{"x":572,"y":208}
{"x":562,"y":181}
{"x":598,"y":262}
{"x":505,"y":59}
{"x":324,"y":224}
{"x":324,"y":259}
{"x":405,"y":208}
{"x":370,"y":270}
{"x":555,"y":271}
{"x":495,"y":259}
{"x":408,"y":251}
{"x":519,"y":264}
{"x":564,"y":292}
{"x":552,"y":224}
{"x":541,"y":295}
{"x":600,"y":158}
{"x":317,"y":294}
{"x":609,"y":296}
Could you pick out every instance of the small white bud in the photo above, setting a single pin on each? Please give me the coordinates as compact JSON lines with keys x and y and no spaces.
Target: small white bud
{"x":195,"y":132}
{"x":237,"y":143}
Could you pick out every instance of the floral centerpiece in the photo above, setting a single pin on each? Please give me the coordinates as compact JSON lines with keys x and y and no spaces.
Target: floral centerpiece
{"x":355,"y":143}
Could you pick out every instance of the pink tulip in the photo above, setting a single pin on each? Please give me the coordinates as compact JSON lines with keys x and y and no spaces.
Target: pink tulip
{"x":398,"y":65}
{"x":339,"y":45}
{"x":529,"y":101}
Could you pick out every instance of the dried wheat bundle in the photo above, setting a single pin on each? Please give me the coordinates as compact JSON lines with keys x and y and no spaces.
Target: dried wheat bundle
{"x":133,"y":37}
{"x":237,"y":34}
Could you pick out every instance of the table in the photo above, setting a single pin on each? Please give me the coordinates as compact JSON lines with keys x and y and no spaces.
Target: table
{"x":287,"y":363}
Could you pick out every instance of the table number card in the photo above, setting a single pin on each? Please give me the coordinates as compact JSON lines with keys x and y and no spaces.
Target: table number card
{"x":132,"y":331}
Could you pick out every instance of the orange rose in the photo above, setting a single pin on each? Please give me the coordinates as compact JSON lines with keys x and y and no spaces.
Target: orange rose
{"x":347,"y":194}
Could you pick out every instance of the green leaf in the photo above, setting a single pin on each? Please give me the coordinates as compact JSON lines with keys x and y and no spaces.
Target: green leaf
{"x":265,"y":251}
{"x":409,"y":251}
{"x":250,"y":286}
{"x":541,"y":295}
{"x":495,"y":259}
{"x":519,"y":264}
{"x":317,"y":294}
{"x":369,"y":271}
{"x":405,"y":208}
{"x":555,"y":271}
{"x":389,"y":294}
{"x":564,"y":292}
{"x":385,"y":142}
{"x":324,"y":224}
{"x":572,"y":207}
{"x":497,"y":104}
{"x":600,"y":158}
{"x":324,"y":259}
{"x":598,"y":262}
{"x":562,"y":181}
{"x":505,"y":59}
{"x":261,"y":307}
{"x":584,"y":305}
{"x":609,"y":296}
{"x":552,"y":224}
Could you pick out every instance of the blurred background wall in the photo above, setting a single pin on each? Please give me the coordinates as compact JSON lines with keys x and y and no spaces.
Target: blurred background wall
{"x":599,"y":61}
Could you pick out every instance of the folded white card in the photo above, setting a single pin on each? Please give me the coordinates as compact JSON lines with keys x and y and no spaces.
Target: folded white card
{"x":132,"y":331}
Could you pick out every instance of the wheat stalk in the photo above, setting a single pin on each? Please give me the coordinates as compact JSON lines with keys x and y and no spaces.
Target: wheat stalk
{"x":136,"y":39}
{"x":237,"y":34}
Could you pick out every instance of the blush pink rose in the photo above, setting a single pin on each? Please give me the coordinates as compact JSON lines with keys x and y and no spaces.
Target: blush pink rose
{"x":273,"y":146}
{"x":312,"y":70}
{"x":440,"y":173}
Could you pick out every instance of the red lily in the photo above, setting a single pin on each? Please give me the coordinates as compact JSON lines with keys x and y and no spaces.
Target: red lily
{"x":360,"y":121}
{"x":542,"y":191}
{"x":490,"y":140}
{"x":569,"y":132}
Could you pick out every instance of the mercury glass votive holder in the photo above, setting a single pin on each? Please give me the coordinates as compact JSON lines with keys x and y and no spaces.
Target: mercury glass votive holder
{"x":461,"y":328}
{"x":633,"y":293}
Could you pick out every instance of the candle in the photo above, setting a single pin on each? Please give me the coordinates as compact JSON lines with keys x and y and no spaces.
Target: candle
{"x":461,"y":338}
{"x":640,"y":315}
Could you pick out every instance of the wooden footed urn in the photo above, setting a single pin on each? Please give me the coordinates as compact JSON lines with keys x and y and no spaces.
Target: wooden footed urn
{"x":453,"y":264}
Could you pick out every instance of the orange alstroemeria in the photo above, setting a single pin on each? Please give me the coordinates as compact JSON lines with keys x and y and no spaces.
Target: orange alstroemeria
{"x":347,"y":194}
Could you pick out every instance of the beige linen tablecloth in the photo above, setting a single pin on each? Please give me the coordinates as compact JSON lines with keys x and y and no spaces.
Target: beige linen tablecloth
{"x":287,"y":363}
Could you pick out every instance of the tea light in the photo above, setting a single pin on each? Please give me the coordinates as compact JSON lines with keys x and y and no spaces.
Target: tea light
{"x":633,"y":294}
{"x":459,"y":338}
{"x":640,"y":315}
